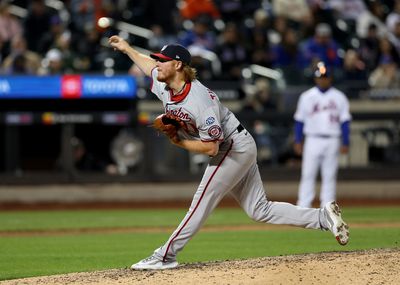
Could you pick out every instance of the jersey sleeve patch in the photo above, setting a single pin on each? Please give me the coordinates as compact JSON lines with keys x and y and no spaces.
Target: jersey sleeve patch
{"x":215,"y":131}
{"x":210,"y":120}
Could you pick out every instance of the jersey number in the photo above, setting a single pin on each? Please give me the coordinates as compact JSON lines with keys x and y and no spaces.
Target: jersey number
{"x":212,"y":94}
{"x":334,"y":118}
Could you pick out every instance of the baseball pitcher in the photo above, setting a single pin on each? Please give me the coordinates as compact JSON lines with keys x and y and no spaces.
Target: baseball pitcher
{"x":196,"y":120}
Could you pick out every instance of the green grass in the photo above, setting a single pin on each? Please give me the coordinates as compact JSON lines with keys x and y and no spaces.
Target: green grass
{"x":50,"y":220}
{"x":23,"y":256}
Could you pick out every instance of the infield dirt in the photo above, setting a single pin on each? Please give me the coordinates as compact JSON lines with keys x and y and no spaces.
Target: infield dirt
{"x":379,"y":266}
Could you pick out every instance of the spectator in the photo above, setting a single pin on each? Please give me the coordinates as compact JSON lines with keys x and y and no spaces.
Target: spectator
{"x":49,"y":37}
{"x":369,"y":48}
{"x":285,"y":53}
{"x":322,"y":47}
{"x":132,"y":12}
{"x":321,"y":12}
{"x":85,"y":14}
{"x":260,"y":25}
{"x":376,"y":16}
{"x":201,"y":41}
{"x":249,"y":7}
{"x":354,"y":68}
{"x":192,"y":9}
{"x":200,"y":36}
{"x":163,"y":18}
{"x":296,"y":11}
{"x":18,"y":66}
{"x":393,"y":16}
{"x":260,"y":100}
{"x":258,"y":39}
{"x":9,"y":25}
{"x":232,"y":54}
{"x":160,"y":38}
{"x":286,"y":56}
{"x":231,"y":10}
{"x":259,"y":50}
{"x":162,"y":14}
{"x":280,"y":25}
{"x":238,"y":10}
{"x":348,"y":10}
{"x":386,"y":49}
{"x":203,"y":61}
{"x":82,"y":14}
{"x":386,"y":75}
{"x":9,"y":28}
{"x":344,"y":18}
{"x":70,"y":58}
{"x":53,"y":63}
{"x":87,"y":50}
{"x":394,"y":37}
{"x":37,"y":23}
{"x":355,"y":74}
{"x":21,"y":60}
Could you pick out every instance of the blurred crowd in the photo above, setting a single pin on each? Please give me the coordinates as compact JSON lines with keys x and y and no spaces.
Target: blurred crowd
{"x":359,"y":39}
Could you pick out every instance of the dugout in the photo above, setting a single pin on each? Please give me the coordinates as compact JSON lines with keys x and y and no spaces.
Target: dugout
{"x":40,"y":116}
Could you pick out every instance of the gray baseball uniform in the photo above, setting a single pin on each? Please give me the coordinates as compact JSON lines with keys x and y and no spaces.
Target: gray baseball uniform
{"x":234,"y":169}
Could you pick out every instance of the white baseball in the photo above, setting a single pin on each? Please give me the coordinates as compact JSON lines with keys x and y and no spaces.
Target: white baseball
{"x":104,"y":22}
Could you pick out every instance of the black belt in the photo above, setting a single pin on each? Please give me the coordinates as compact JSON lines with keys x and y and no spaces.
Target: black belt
{"x":240,"y":128}
{"x":323,"y":136}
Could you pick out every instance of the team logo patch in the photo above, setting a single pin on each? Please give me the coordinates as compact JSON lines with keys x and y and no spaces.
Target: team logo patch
{"x":214,"y":132}
{"x":210,"y":120}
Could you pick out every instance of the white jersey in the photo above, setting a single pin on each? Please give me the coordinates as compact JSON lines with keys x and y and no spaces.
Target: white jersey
{"x":322,"y":112}
{"x":206,"y":119}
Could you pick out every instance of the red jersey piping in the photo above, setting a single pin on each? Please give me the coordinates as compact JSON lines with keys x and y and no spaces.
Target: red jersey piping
{"x":198,"y":202}
{"x":181,"y":95}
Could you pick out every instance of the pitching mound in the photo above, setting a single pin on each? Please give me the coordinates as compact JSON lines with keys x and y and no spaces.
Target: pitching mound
{"x":357,"y":267}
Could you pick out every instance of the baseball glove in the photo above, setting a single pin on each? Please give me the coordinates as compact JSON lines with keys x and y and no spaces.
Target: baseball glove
{"x":168,"y":124}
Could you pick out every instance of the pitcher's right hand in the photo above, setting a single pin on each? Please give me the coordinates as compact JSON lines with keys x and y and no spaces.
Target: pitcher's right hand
{"x":118,"y":43}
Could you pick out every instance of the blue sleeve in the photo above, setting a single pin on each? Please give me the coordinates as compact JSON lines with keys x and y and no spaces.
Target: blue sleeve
{"x":298,"y":131}
{"x":345,"y":133}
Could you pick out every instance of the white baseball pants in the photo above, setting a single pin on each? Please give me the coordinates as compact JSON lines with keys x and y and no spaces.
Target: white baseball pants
{"x":319,"y":153}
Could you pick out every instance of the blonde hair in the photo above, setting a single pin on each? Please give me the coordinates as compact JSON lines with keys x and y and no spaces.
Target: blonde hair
{"x":189,"y":73}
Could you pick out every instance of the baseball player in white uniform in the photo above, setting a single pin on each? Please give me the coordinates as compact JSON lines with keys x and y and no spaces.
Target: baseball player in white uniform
{"x":213,"y":130}
{"x":323,"y":116}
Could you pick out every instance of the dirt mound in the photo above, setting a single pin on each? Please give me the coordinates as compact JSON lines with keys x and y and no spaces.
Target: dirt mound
{"x":357,"y":267}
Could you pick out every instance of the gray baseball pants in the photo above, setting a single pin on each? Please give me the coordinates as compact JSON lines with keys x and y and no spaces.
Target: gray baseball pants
{"x":235,"y":170}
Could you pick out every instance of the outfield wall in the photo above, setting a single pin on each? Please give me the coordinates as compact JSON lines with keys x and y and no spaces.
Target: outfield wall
{"x":158,"y":192}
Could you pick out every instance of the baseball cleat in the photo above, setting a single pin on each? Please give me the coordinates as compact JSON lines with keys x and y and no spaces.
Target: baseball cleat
{"x":336,"y":224}
{"x":153,"y":263}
